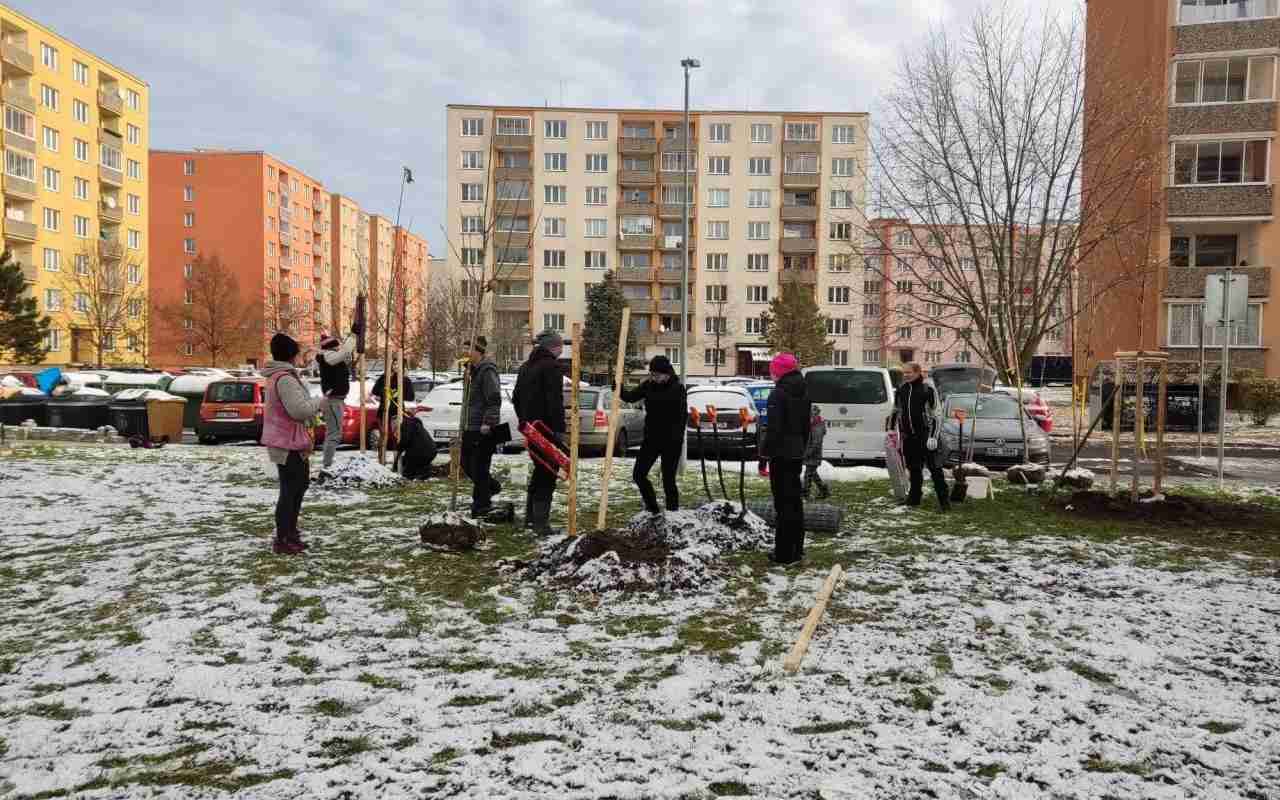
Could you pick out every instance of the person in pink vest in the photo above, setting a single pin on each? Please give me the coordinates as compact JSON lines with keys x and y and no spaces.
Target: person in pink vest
{"x":288,"y":407}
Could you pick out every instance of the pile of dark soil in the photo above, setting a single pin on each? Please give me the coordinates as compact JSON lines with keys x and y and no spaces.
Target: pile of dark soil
{"x":1174,"y":511}
{"x":640,"y":549}
{"x":452,"y":533}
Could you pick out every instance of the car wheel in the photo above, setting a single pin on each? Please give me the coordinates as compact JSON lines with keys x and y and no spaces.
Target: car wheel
{"x":208,"y":439}
{"x":621,"y":446}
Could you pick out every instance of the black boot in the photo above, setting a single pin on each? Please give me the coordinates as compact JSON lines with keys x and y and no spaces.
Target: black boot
{"x":528,"y":512}
{"x":542,"y":519}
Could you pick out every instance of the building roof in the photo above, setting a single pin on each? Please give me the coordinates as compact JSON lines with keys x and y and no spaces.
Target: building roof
{"x":704,"y":111}
{"x":68,"y":40}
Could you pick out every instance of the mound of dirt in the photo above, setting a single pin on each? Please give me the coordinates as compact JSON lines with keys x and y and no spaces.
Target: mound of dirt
{"x":450,"y":532}
{"x":672,"y":551}
{"x":1173,"y":510}
{"x":357,"y":473}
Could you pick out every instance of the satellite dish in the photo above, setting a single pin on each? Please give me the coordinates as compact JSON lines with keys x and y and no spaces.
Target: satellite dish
{"x":109,"y":201}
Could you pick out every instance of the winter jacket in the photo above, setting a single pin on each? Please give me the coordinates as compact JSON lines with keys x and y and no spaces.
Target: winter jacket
{"x":335,"y":375}
{"x":789,"y":414}
{"x":666,"y":409}
{"x":813,"y":448}
{"x":915,"y":407}
{"x":539,"y":392}
{"x":298,"y":402}
{"x":484,"y":399}
{"x":380,"y":392}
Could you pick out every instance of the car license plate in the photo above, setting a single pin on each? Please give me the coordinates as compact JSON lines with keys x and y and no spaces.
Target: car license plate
{"x":1001,"y":451}
{"x":228,"y":415}
{"x":442,"y":434}
{"x":848,"y":423}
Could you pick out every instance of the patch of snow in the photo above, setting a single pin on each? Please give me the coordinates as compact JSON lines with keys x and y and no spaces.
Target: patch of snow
{"x":357,"y":472}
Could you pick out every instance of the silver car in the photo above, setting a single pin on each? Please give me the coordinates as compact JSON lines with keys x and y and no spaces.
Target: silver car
{"x":994,"y":423}
{"x":594,"y":406}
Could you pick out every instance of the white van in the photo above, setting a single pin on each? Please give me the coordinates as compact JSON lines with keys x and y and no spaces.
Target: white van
{"x":857,"y":403}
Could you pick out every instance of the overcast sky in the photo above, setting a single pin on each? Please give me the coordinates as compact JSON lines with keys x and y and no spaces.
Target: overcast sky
{"x":349,"y":90}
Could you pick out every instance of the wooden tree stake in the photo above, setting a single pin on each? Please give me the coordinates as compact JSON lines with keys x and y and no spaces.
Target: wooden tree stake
{"x":363,"y":399}
{"x":1139,"y":428}
{"x":792,"y":662}
{"x":575,"y":427}
{"x":1116,"y":404}
{"x":1162,"y":396}
{"x":602,"y":516}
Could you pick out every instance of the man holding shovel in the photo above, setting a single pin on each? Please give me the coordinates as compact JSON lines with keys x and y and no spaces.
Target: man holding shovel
{"x":665,"y":414}
{"x":484,"y":407}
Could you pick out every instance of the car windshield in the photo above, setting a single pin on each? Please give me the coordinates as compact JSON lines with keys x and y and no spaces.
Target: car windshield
{"x":989,"y":406}
{"x":586,"y":400}
{"x":852,"y":387}
{"x":760,"y":392}
{"x":961,"y":380}
{"x":443,"y":395}
{"x":717,"y":399}
{"x":231,"y":393}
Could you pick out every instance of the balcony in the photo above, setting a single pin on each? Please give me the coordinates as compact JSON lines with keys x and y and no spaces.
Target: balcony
{"x":109,"y":176}
{"x":1228,"y":27}
{"x":16,"y":142}
{"x":642,"y":305}
{"x":1188,"y":282}
{"x":19,"y":98}
{"x":110,"y":213}
{"x":676,"y":211}
{"x":677,"y":275}
{"x":641,"y":145}
{"x":111,"y":138}
{"x":508,"y":206}
{"x":793,"y":146}
{"x":1219,"y":201}
{"x":635,"y":242}
{"x":673,"y":306}
{"x":29,"y":272}
{"x":808,"y":277}
{"x":641,"y":209}
{"x":19,"y":230}
{"x":513,"y":141}
{"x":110,"y":249}
{"x":801,"y":180}
{"x":515,"y":272}
{"x":510,"y":303}
{"x":513,"y":174}
{"x":676,"y":243}
{"x":317,"y":248}
{"x":795,"y":245}
{"x":19,"y":187}
{"x":633,"y":177}
{"x":799,"y":213}
{"x":1221,"y":118}
{"x":110,"y":101}
{"x":17,"y":59}
{"x":670,"y":338}
{"x":634,"y":275}
{"x":676,"y":144}
{"x":512,"y":239}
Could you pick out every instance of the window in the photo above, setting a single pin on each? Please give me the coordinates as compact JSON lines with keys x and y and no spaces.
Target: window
{"x":757,"y":230}
{"x":473,"y":126}
{"x":472,"y":256}
{"x":1184,"y":321}
{"x":52,"y":260}
{"x":473,"y":192}
{"x":902,"y":239}
{"x":52,"y":219}
{"x":718,"y":165}
{"x":757,"y":262}
{"x":712,"y":356}
{"x":554,"y":322}
{"x":802,"y":132}
{"x":759,"y":166}
{"x":557,"y":195}
{"x":904,"y":287}
{"x":555,"y":162}
{"x":49,"y":56}
{"x":189,"y":167}
{"x":82,"y":302}
{"x":1229,"y":161}
{"x":20,"y":123}
{"x":844,"y":134}
{"x":1192,"y":11}
{"x":597,"y":228}
{"x":52,"y":139}
{"x":473,"y":159}
{"x":1205,"y":250}
{"x":761,"y":133}
{"x":717,"y":262}
{"x":133,"y":134}
{"x":49,"y":97}
{"x":718,"y":229}
{"x":674,"y":162}
{"x":19,"y":166}
{"x":757,"y":294}
{"x":968,"y":263}
{"x":839,"y":262}
{"x":80,"y":73}
{"x":758,"y":198}
{"x":841,"y":199}
{"x":134,"y":169}
{"x":135,"y":240}
{"x":934,"y":310}
{"x":935,"y":287}
{"x":189,"y":246}
{"x":838,"y":295}
{"x":964,"y":357}
{"x":80,"y":226}
{"x":870,"y":310}
{"x":52,"y":179}
{"x":754,"y":326}
{"x":135,"y":277}
{"x":718,"y":198}
{"x":80,"y":188}
{"x":932,"y":333}
{"x":871,"y":287}
{"x":133,"y":99}
{"x":842,"y":167}
{"x":188,"y":219}
{"x":80,"y":111}
{"x":674,"y":195}
{"x":597,"y":195}
{"x":837,"y":327}
{"x":801,"y":163}
{"x":82,"y":264}
{"x":718,"y":131}
{"x":595,"y":259}
{"x":597,"y":130}
{"x":673,"y":355}
{"x":553,"y":290}
{"x":842,"y":231}
{"x":870,"y":356}
{"x":555,"y":129}
{"x":597,"y":162}
{"x":635,"y":226}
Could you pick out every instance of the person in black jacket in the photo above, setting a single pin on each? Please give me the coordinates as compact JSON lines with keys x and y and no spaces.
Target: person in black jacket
{"x":401,"y":392}
{"x":335,"y":382}
{"x":785,"y":439}
{"x":665,"y":412}
{"x":915,"y":409}
{"x":484,"y":408}
{"x":539,"y":395}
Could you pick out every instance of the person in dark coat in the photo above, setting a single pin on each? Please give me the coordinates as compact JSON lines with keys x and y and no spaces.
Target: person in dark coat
{"x":539,"y":396}
{"x":813,"y":455}
{"x":915,"y":410}
{"x":784,"y":448}
{"x":401,"y":392}
{"x":484,"y":408}
{"x":666,"y":411}
{"x":334,"y":362}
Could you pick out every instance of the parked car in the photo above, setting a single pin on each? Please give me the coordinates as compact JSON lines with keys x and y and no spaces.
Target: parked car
{"x":857,"y":403}
{"x":961,"y":379}
{"x":439,"y":414}
{"x":760,"y":394}
{"x":594,"y":406}
{"x":351,"y":417}
{"x":994,"y":422}
{"x":231,"y":411}
{"x":1035,"y":405}
{"x":733,"y":438}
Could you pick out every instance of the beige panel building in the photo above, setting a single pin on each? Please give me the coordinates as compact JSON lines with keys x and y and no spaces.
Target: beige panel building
{"x":567,"y":194}
{"x":349,"y":241}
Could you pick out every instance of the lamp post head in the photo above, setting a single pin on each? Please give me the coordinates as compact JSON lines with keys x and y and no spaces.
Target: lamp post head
{"x":690,"y":63}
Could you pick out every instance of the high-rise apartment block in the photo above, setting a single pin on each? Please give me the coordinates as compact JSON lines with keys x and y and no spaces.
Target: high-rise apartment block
{"x":1215,"y":206}
{"x":75,"y":192}
{"x":349,"y":237}
{"x":565,"y":194}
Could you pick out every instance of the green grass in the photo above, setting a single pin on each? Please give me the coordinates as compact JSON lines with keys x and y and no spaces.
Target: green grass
{"x":343,"y":748}
{"x":729,"y":789}
{"x":333,"y":708}
{"x":506,"y":741}
{"x":469,"y":700}
{"x":1222,"y":727}
{"x":1090,"y":673}
{"x":379,"y":682}
{"x":1096,"y":764}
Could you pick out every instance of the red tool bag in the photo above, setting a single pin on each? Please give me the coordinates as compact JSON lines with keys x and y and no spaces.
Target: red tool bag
{"x":543,"y":450}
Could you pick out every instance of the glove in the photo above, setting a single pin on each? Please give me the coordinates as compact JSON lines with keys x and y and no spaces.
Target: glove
{"x":484,"y":430}
{"x":932,"y":444}
{"x":357,"y":328}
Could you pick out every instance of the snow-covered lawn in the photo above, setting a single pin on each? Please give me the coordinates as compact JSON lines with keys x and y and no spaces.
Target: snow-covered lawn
{"x":153,"y":646}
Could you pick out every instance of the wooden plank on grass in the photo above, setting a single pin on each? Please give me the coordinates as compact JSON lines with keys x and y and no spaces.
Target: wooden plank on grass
{"x":792,"y":662}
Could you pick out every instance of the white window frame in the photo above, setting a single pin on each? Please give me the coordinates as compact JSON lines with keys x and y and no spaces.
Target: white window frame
{"x":554,"y":259}
{"x":80,"y":111}
{"x":80,"y":188}
{"x":1212,"y":335}
{"x":52,"y":260}
{"x":841,"y":198}
{"x":761,"y":133}
{"x":476,"y":192}
{"x":843,"y":167}
{"x":1248,"y":79}
{"x":1219,"y":140}
{"x":49,"y":56}
{"x":717,"y":262}
{"x":555,"y":162}
{"x":52,"y":179}
{"x":758,"y":294}
{"x":596,"y":131}
{"x":555,"y":291}
{"x":759,"y":230}
{"x":472,"y":224}
{"x":597,"y":195}
{"x":760,"y":166}
{"x":717,"y":229}
{"x":472,"y":126}
{"x":759,"y":198}
{"x":472,"y":159}
{"x":757,"y":262}
{"x":719,"y":165}
{"x":1260,"y":9}
{"x":555,"y":129}
{"x":753,"y":326}
{"x":555,"y":194}
{"x":792,"y":129}
{"x":597,"y":162}
{"x":52,"y":220}
{"x":595,"y":228}
{"x":80,"y":226}
{"x":844,"y":134}
{"x":720,"y":132}
{"x":595,"y":259}
{"x":553,"y":322}
{"x":839,"y":295}
{"x":79,"y":72}
{"x":713,"y":194}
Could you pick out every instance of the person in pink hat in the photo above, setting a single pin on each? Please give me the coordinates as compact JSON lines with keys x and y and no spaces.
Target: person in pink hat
{"x":785,"y":439}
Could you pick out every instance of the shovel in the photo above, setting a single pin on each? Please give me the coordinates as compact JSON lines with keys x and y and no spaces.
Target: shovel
{"x":715,"y":436}
{"x":743,"y":417}
{"x":960,"y":489}
{"x":695,"y":419}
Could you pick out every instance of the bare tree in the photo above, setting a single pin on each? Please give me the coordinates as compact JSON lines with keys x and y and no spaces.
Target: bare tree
{"x":722,"y":328}
{"x":214,"y":317}
{"x":107,"y":295}
{"x":981,"y":150}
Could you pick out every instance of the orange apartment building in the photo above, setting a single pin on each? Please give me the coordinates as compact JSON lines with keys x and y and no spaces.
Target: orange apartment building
{"x":266,"y":220}
{"x":349,"y":240}
{"x":1214,"y":205}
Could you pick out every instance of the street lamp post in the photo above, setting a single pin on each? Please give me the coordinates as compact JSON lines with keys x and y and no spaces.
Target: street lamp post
{"x":688,"y":64}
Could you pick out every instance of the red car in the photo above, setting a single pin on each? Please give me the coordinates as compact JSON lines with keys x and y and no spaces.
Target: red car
{"x":1034,"y":404}
{"x":351,"y":419}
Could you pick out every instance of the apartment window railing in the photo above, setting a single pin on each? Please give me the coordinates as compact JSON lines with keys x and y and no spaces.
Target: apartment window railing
{"x":1193,"y":11}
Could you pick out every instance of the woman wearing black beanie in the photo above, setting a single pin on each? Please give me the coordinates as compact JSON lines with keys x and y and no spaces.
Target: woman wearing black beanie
{"x":665,"y":412}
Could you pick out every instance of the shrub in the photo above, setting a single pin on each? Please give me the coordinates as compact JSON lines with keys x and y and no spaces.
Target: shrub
{"x":1261,"y":398}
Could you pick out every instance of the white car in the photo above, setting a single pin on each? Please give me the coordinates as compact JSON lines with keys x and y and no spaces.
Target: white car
{"x":857,"y":403}
{"x":439,"y":411}
{"x":729,"y":436}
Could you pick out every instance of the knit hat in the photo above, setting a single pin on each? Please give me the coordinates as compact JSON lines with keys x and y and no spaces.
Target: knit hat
{"x":328,"y":343}
{"x":661,"y":364}
{"x":549,"y":339}
{"x":782,"y":364}
{"x":283,"y":347}
{"x":479,"y":344}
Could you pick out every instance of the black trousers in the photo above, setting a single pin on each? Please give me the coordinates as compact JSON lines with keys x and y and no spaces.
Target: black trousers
{"x":477,"y":460}
{"x":650,"y":452}
{"x":917,"y":456}
{"x":295,"y":477}
{"x":788,"y":507}
{"x":542,"y":490}
{"x":811,"y":477}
